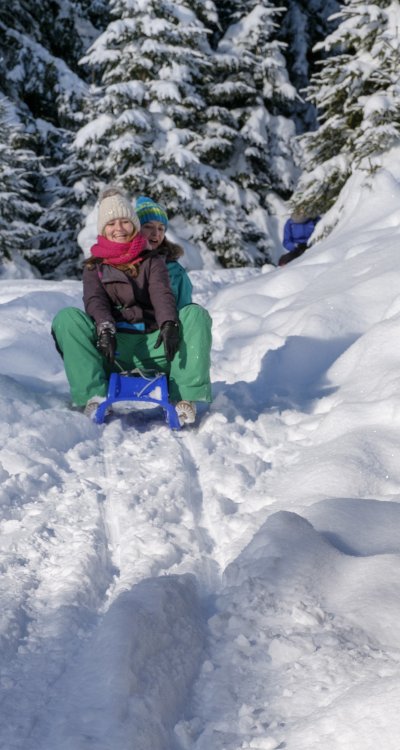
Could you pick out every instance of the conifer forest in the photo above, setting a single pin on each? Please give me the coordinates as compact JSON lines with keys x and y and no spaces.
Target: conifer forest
{"x":228,"y":112}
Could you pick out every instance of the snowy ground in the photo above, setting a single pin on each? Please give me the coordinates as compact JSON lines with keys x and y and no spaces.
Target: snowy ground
{"x":231,"y":586}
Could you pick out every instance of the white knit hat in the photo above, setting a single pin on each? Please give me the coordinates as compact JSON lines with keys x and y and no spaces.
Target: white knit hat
{"x":114,"y":204}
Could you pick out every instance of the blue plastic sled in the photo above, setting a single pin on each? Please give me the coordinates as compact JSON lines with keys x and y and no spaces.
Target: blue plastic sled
{"x":150,"y":389}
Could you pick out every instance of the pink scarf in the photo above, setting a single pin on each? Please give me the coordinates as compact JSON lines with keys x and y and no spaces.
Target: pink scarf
{"x":117,"y":253}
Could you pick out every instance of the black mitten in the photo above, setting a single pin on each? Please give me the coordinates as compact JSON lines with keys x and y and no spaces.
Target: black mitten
{"x":106,"y":341}
{"x":169,"y":335}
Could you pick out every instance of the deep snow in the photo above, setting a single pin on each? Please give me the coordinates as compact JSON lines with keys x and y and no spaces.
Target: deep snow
{"x":231,"y":586}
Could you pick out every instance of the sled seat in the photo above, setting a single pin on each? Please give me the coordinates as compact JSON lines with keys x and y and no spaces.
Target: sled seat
{"x":144,"y":387}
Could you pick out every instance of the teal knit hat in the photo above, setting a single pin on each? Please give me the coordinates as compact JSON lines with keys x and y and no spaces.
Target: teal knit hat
{"x":148,"y":210}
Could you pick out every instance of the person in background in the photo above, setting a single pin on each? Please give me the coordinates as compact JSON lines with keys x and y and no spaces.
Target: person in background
{"x":296,"y":233}
{"x":130,"y":310}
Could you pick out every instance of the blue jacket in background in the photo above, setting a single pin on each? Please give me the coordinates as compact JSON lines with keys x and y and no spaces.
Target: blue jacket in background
{"x":297,"y":232}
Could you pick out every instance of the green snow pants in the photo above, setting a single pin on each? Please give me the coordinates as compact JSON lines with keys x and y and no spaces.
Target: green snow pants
{"x":88,"y":372}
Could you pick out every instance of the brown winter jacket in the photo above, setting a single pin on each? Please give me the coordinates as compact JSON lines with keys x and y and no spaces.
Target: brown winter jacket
{"x":109,"y":294}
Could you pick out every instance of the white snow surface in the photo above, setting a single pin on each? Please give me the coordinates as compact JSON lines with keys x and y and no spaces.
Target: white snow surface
{"x":231,"y":586}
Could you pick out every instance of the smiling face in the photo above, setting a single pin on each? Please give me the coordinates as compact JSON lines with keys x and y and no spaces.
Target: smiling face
{"x":155,"y":233}
{"x":119,"y":230}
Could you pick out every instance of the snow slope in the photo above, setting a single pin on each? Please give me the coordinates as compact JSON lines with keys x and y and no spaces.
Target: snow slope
{"x":231,"y":586}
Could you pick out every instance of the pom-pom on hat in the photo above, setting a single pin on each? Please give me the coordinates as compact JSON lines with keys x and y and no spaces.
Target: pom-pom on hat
{"x":115,"y":204}
{"x":149,"y":210}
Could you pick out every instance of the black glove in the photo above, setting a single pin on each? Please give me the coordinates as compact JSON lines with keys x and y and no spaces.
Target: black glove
{"x":106,"y":340}
{"x":169,"y":334}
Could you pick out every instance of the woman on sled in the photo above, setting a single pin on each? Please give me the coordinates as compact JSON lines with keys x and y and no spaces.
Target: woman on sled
{"x":138,"y":312}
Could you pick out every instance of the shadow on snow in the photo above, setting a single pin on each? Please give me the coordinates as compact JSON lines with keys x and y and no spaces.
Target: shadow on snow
{"x":291,"y":377}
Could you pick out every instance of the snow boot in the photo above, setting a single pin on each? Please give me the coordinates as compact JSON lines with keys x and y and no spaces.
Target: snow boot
{"x":186,"y":411}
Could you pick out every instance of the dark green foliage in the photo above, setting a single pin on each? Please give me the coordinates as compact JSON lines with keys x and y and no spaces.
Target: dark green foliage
{"x":41,"y":44}
{"x":305,"y":23}
{"x":193,"y":118}
{"x":357,"y":95}
{"x":186,"y":100}
{"x":19,"y":210}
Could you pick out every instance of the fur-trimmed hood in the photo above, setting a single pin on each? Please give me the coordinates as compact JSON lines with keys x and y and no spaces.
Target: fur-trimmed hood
{"x":170,"y":250}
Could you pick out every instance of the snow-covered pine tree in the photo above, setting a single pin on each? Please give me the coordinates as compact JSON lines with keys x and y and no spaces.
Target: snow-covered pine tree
{"x":142,"y":117}
{"x":19,"y":210}
{"x":254,"y":86}
{"x":357,"y":94}
{"x":303,"y":25}
{"x":189,"y":125}
{"x":207,"y":12}
{"x":229,"y":11}
{"x":245,"y":136}
{"x":47,"y":95}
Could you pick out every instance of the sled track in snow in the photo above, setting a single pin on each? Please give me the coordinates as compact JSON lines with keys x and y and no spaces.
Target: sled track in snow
{"x":125,"y":499}
{"x":54,"y":550}
{"x":152,"y":492}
